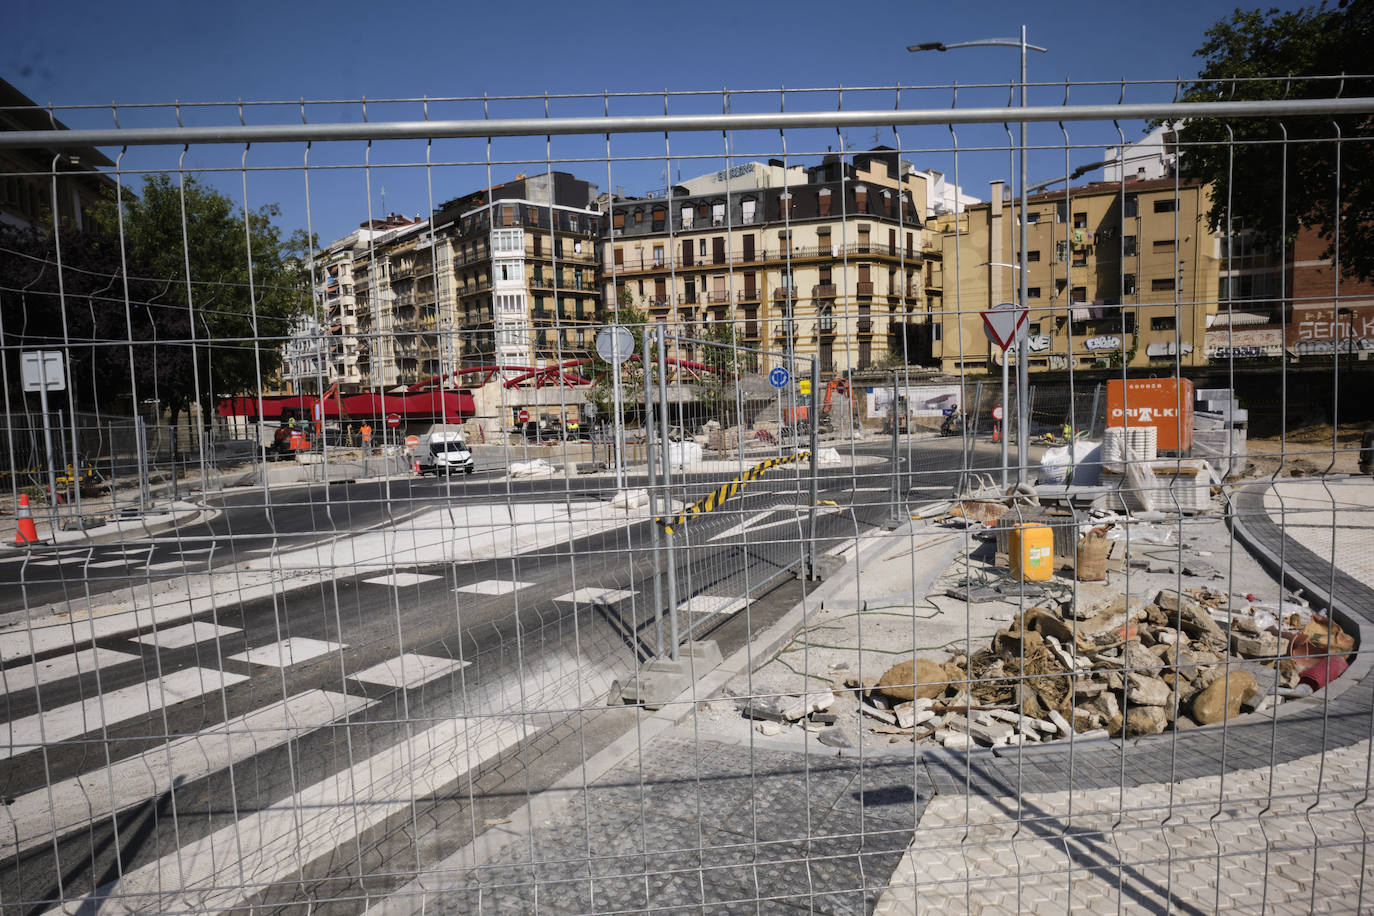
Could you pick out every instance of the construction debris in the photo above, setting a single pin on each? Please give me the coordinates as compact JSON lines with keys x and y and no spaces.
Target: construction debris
{"x":1112,"y":669}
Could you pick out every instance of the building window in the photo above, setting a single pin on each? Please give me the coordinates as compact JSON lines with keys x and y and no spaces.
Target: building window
{"x":658,"y":255}
{"x":701,"y":247}
{"x":1032,"y":217}
{"x":1080,"y":221}
{"x":1130,"y":207}
{"x":1061,"y":250}
{"x":1163,"y":244}
{"x":1061,"y":211}
{"x":1033,"y":292}
{"x":1167,"y":323}
{"x":687,"y":217}
{"x":1128,"y":285}
{"x":1166,"y":206}
{"x":1128,"y":246}
{"x":1162,"y":284}
{"x":860,"y":198}
{"x":823,"y":201}
{"x":718,"y":214}
{"x":747,"y":211}
{"x":618,"y":220}
{"x":1033,"y":255}
{"x":1079,"y":294}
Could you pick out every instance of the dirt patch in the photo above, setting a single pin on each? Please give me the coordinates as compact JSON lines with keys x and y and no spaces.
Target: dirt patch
{"x":1308,"y":451}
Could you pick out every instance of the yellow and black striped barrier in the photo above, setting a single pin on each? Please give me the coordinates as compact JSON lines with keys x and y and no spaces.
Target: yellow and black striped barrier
{"x":717,"y":497}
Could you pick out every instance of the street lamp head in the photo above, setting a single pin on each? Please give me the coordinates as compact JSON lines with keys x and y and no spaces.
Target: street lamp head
{"x":928,"y":46}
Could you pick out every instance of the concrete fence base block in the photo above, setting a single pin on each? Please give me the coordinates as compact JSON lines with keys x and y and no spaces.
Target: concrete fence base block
{"x":662,"y":679}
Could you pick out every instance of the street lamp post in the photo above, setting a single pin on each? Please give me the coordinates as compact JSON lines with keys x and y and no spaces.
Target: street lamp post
{"x":1023,"y":348}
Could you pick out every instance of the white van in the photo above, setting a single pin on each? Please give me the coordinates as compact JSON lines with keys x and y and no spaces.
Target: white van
{"x":443,"y":453}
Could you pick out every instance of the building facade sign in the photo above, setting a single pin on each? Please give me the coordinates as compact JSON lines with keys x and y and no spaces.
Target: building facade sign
{"x":1316,"y":331}
{"x":1243,"y":343}
{"x":1107,"y":342}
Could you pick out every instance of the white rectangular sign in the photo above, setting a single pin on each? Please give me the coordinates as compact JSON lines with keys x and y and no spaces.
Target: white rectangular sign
{"x":43,"y":370}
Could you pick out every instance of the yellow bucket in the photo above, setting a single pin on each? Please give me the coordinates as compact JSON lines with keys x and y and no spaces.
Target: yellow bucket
{"x":1030,"y":552}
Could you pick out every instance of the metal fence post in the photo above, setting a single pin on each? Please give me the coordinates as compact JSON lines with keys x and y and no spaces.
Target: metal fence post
{"x":667,"y":488}
{"x":896,"y":450}
{"x":653,"y":493}
{"x":1092,"y":427}
{"x":815,"y":481}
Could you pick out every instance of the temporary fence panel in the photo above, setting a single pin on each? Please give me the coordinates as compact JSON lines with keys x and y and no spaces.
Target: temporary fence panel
{"x":402,"y":581}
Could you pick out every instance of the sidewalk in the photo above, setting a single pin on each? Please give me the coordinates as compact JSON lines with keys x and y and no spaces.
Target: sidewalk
{"x":701,"y":810}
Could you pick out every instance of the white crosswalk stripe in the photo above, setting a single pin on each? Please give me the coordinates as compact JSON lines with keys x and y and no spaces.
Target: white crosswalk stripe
{"x":64,"y":722}
{"x":36,"y":817}
{"x":59,"y":668}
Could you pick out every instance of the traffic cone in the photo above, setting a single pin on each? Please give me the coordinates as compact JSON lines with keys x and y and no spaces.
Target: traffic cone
{"x":27,"y":533}
{"x":417,"y":468}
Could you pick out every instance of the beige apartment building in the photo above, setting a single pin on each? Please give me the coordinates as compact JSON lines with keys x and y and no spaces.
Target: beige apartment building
{"x":824,"y":261}
{"x":1117,"y":273}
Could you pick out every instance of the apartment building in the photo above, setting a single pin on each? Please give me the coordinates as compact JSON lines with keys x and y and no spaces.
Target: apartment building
{"x":524,"y":270}
{"x":1117,"y":273}
{"x":386,"y":310}
{"x":823,"y":260}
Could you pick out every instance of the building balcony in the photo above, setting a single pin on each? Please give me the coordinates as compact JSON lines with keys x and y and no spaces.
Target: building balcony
{"x":825,"y":324}
{"x":784,"y":293}
{"x":864,"y":288}
{"x":749,"y":294}
{"x":718,"y":295}
{"x":823,"y":291}
{"x":865,"y":325}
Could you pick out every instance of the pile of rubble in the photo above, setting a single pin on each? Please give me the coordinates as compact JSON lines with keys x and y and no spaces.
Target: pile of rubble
{"x":1184,"y":660}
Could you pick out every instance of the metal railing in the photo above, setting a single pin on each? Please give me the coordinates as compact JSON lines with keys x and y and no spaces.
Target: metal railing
{"x":736,"y":611}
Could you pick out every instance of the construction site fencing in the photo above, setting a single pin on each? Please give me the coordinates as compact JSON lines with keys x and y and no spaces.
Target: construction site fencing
{"x":570,"y":550}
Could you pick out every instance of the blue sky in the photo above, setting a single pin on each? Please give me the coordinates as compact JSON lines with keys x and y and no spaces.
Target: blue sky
{"x":87,"y":53}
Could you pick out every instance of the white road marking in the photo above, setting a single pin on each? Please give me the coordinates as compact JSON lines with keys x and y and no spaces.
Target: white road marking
{"x":108,"y":564}
{"x":118,"y":705}
{"x":493,"y":587}
{"x":713,"y":604}
{"x":163,"y":567}
{"x":408,"y":670}
{"x":188,"y":551}
{"x":401,"y":580}
{"x":287,"y":652}
{"x":594,"y":596}
{"x":188,"y":634}
{"x":61,"y":667}
{"x":33,"y":818}
{"x":279,"y":840}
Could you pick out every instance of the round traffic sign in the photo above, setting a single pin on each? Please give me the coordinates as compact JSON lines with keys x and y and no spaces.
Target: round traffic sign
{"x":778,"y":377}
{"x":393,"y":420}
{"x":524,"y":415}
{"x":412,"y":442}
{"x":997,"y":412}
{"x":615,"y":344}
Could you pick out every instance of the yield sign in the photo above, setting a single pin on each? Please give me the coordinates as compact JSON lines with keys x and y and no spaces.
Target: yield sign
{"x":1004,"y":324}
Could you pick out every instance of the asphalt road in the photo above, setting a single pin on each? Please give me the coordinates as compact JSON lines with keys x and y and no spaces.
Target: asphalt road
{"x":518,"y":650}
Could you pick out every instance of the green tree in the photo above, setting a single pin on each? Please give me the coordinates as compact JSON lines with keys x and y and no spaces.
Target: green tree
{"x":725,"y":362}
{"x":1259,"y":183}
{"x":245,"y":284}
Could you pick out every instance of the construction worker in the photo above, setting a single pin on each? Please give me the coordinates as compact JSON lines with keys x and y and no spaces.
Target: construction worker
{"x":367,"y":435}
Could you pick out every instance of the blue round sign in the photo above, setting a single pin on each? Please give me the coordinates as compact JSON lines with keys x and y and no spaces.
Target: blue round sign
{"x":778,"y":377}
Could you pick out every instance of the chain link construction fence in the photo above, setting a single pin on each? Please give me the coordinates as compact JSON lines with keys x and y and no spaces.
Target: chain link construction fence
{"x":452,"y":598}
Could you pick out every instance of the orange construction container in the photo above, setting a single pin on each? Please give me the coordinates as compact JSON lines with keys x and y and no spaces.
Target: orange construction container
{"x":1164,"y":403}
{"x":1030,"y":552}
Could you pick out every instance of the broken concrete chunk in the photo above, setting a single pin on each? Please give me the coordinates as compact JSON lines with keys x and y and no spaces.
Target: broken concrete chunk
{"x":1061,"y":723}
{"x":766,"y":709}
{"x":988,"y":734}
{"x":769,"y":728}
{"x":1145,"y":720}
{"x":833,"y":737}
{"x":1263,"y":645}
{"x":1223,"y":697}
{"x":1189,"y":616}
{"x":952,"y":738}
{"x":824,"y":718}
{"x":929,"y":679}
{"x":1147,"y":691}
{"x":882,"y":715}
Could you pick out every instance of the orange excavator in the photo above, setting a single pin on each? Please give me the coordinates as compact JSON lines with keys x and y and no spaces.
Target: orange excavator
{"x":799,"y":417}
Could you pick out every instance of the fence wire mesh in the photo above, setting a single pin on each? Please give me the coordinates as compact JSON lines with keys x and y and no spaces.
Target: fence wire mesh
{"x":562,"y":549}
